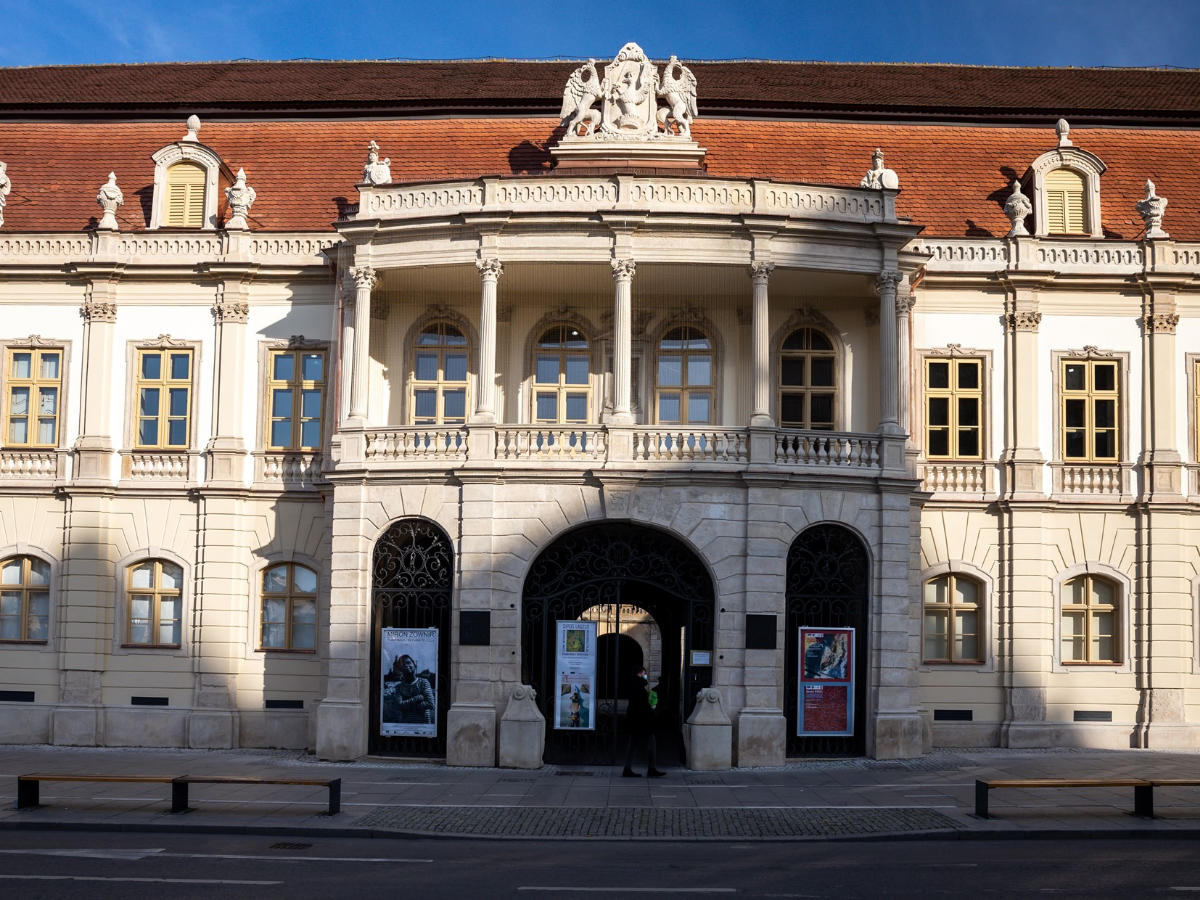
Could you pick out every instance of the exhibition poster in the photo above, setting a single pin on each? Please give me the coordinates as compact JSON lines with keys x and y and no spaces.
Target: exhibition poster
{"x":575,"y":676}
{"x":408,"y":695}
{"x":826,"y":695}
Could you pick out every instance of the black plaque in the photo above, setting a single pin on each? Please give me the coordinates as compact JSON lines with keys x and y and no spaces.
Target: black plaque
{"x":474,"y":628}
{"x":760,"y":632}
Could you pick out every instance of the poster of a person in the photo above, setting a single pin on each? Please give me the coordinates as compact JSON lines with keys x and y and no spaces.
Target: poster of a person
{"x":575,"y":701}
{"x":575,"y":676}
{"x":408,"y":693}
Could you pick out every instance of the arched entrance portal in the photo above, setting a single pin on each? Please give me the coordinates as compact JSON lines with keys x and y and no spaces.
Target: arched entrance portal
{"x":828,"y":578}
{"x":620,"y":573}
{"x":412,"y":579}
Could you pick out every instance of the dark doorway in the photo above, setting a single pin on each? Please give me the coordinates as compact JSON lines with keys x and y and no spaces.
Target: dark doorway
{"x":828,"y":578}
{"x":618,"y":573}
{"x":412,"y":583}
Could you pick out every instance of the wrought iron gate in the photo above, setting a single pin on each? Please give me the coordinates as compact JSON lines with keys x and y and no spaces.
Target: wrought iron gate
{"x":412,"y":581}
{"x":610,"y":564}
{"x":828,"y":578}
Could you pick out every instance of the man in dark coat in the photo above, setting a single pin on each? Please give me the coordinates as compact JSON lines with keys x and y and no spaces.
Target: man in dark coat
{"x":639,"y":722}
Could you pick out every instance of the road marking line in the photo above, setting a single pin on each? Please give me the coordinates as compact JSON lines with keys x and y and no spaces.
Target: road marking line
{"x":351,"y":859}
{"x":86,"y":852}
{"x":573,"y":889}
{"x":140,"y":880}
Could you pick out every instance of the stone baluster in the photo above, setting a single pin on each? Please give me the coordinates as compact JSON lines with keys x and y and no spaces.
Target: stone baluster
{"x":623,"y":272}
{"x":760,"y":275}
{"x":364,"y":280}
{"x":490,"y":270}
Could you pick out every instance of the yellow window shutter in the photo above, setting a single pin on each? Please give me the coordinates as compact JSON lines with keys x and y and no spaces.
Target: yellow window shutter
{"x":1064,"y":190}
{"x":185,"y":196}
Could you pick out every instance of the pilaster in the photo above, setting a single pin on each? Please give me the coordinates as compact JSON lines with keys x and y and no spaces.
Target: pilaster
{"x":227,"y":448}
{"x":94,"y":446}
{"x":1021,"y":458}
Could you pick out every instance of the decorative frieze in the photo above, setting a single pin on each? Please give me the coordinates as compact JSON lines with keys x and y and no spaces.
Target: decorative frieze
{"x":240,"y":197}
{"x":1023,"y":320}
{"x":1090,"y":351}
{"x":110,"y":198}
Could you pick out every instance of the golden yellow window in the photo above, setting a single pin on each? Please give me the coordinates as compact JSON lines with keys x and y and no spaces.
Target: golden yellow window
{"x":1065,"y":202}
{"x":154,"y":590}
{"x":289,"y":608}
{"x":684,"y":378}
{"x":807,"y":380}
{"x":438,"y":389}
{"x":953,"y":408}
{"x":1090,"y":605}
{"x":562,"y":376}
{"x":24,"y":599}
{"x":34,"y":393}
{"x":1090,"y":398}
{"x":953,"y":605}
{"x":296,"y":392}
{"x":184,"y":206}
{"x":164,"y":399}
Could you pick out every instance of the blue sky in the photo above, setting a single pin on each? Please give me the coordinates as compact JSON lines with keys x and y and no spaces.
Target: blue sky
{"x":1000,"y":32}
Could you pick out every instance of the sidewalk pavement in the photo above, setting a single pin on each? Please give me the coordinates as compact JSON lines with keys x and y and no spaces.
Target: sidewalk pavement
{"x":812,"y":799}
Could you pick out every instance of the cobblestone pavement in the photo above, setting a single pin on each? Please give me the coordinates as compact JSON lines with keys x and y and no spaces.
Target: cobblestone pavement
{"x":838,"y":798}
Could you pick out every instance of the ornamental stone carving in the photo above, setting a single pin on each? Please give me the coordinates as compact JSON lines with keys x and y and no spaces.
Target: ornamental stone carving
{"x":1151,"y":209}
{"x":1160,"y":323}
{"x":240,"y":197}
{"x":887,"y":281}
{"x":623,"y":269}
{"x":109,"y":198}
{"x":364,"y":278}
{"x":376,"y":172}
{"x":905,"y":301}
{"x":1023,"y":320}
{"x":98,"y":310}
{"x":5,"y":189}
{"x":761,"y":271}
{"x":1063,"y":129}
{"x":232,"y":311}
{"x":877,"y":176}
{"x":489,"y":268}
{"x":193,"y":129}
{"x":628,"y":95}
{"x":1017,"y":207}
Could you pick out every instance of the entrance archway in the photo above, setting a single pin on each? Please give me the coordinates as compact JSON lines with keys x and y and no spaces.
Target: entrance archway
{"x":828,"y":586}
{"x":623,"y":569}
{"x":412,"y":585}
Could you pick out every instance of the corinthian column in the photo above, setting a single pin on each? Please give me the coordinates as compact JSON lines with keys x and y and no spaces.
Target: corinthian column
{"x":760,"y":274}
{"x":904,"y":304}
{"x":490,"y":271}
{"x":364,"y":280}
{"x":623,"y":271}
{"x":885,"y":286}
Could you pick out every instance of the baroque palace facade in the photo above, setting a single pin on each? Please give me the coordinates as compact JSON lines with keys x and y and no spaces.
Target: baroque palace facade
{"x":908,"y":356}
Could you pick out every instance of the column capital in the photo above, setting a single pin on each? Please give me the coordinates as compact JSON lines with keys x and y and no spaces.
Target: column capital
{"x":1022,"y":320}
{"x":1160,"y":323}
{"x":905,"y":301}
{"x":94,"y":310}
{"x":623,"y":268}
{"x":887,"y":281}
{"x":761,"y":271}
{"x":235,"y":312}
{"x":489,"y":267}
{"x":364,"y":277}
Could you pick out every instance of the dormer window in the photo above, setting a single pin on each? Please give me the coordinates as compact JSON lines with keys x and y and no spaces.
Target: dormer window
{"x":1065,"y":202}
{"x":1066,"y":189}
{"x":188,"y":178}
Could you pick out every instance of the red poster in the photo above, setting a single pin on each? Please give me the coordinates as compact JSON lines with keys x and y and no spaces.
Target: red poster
{"x":825,"y":708}
{"x":826,"y":681}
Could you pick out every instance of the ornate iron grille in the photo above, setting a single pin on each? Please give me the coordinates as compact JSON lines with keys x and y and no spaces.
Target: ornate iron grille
{"x":613,"y":563}
{"x":828,"y":578}
{"x":412,"y":586}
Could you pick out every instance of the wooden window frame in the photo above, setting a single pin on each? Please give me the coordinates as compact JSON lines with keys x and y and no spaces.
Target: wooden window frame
{"x":439,"y":385}
{"x":1086,"y":610}
{"x":953,"y":393}
{"x":807,"y":391}
{"x":949,"y":608}
{"x":561,"y":388}
{"x":1089,"y":394}
{"x":26,"y":587}
{"x":156,"y":593}
{"x":684,"y":389}
{"x":297,"y":384}
{"x":35,"y":383}
{"x":164,"y":384}
{"x":290,"y":595}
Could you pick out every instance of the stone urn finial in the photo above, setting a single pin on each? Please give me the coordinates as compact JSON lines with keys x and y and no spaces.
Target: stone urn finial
{"x":1151,"y":209}
{"x":193,"y":129}
{"x":109,"y":197}
{"x":1063,"y":129}
{"x":1017,"y":207}
{"x":240,"y":197}
{"x":5,"y":189}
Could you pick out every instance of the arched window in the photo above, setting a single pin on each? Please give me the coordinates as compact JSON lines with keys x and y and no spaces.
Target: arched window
{"x":289,"y":608}
{"x":953,"y":604}
{"x":1065,"y":199}
{"x":154,"y":594}
{"x":185,"y":196}
{"x":1089,"y":625}
{"x":807,"y":380}
{"x":684,"y":389}
{"x":24,"y":599}
{"x":439,"y":376}
{"x":561,"y":376}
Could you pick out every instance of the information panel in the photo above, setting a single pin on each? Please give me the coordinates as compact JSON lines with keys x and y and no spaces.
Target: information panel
{"x":826,"y":695}
{"x":575,"y":676}
{"x":408,"y":695}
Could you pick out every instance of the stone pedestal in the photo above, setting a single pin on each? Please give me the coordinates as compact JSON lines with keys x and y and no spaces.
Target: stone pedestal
{"x":522,"y":731}
{"x":211,"y":729}
{"x":709,"y":734}
{"x":762,"y":737}
{"x":76,"y":726}
{"x":686,"y":157}
{"x":898,"y":737}
{"x":341,"y":730}
{"x":471,"y":735}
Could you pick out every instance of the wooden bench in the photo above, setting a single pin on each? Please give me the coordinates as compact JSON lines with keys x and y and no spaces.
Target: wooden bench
{"x":28,"y":786}
{"x":1143,"y":790}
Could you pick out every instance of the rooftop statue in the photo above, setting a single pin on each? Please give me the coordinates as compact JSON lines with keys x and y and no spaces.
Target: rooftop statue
{"x":109,"y":197}
{"x":878,"y":176}
{"x":376,"y":172}
{"x":583,"y":88}
{"x":5,"y":189}
{"x":680,"y":94}
{"x":240,"y":197}
{"x":1152,"y":210}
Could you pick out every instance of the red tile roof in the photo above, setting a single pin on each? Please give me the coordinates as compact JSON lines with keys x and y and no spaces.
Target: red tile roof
{"x":828,"y":89}
{"x":954,"y":179}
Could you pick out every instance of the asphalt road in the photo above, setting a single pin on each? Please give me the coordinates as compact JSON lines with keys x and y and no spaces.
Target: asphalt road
{"x":124,"y":865}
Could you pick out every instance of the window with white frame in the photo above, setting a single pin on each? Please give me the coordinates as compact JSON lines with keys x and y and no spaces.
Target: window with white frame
{"x":154,"y":604}
{"x":1090,"y":621}
{"x":24,"y":600}
{"x":438,"y":386}
{"x":953,"y":606}
{"x":34,"y":397}
{"x":289,"y":608}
